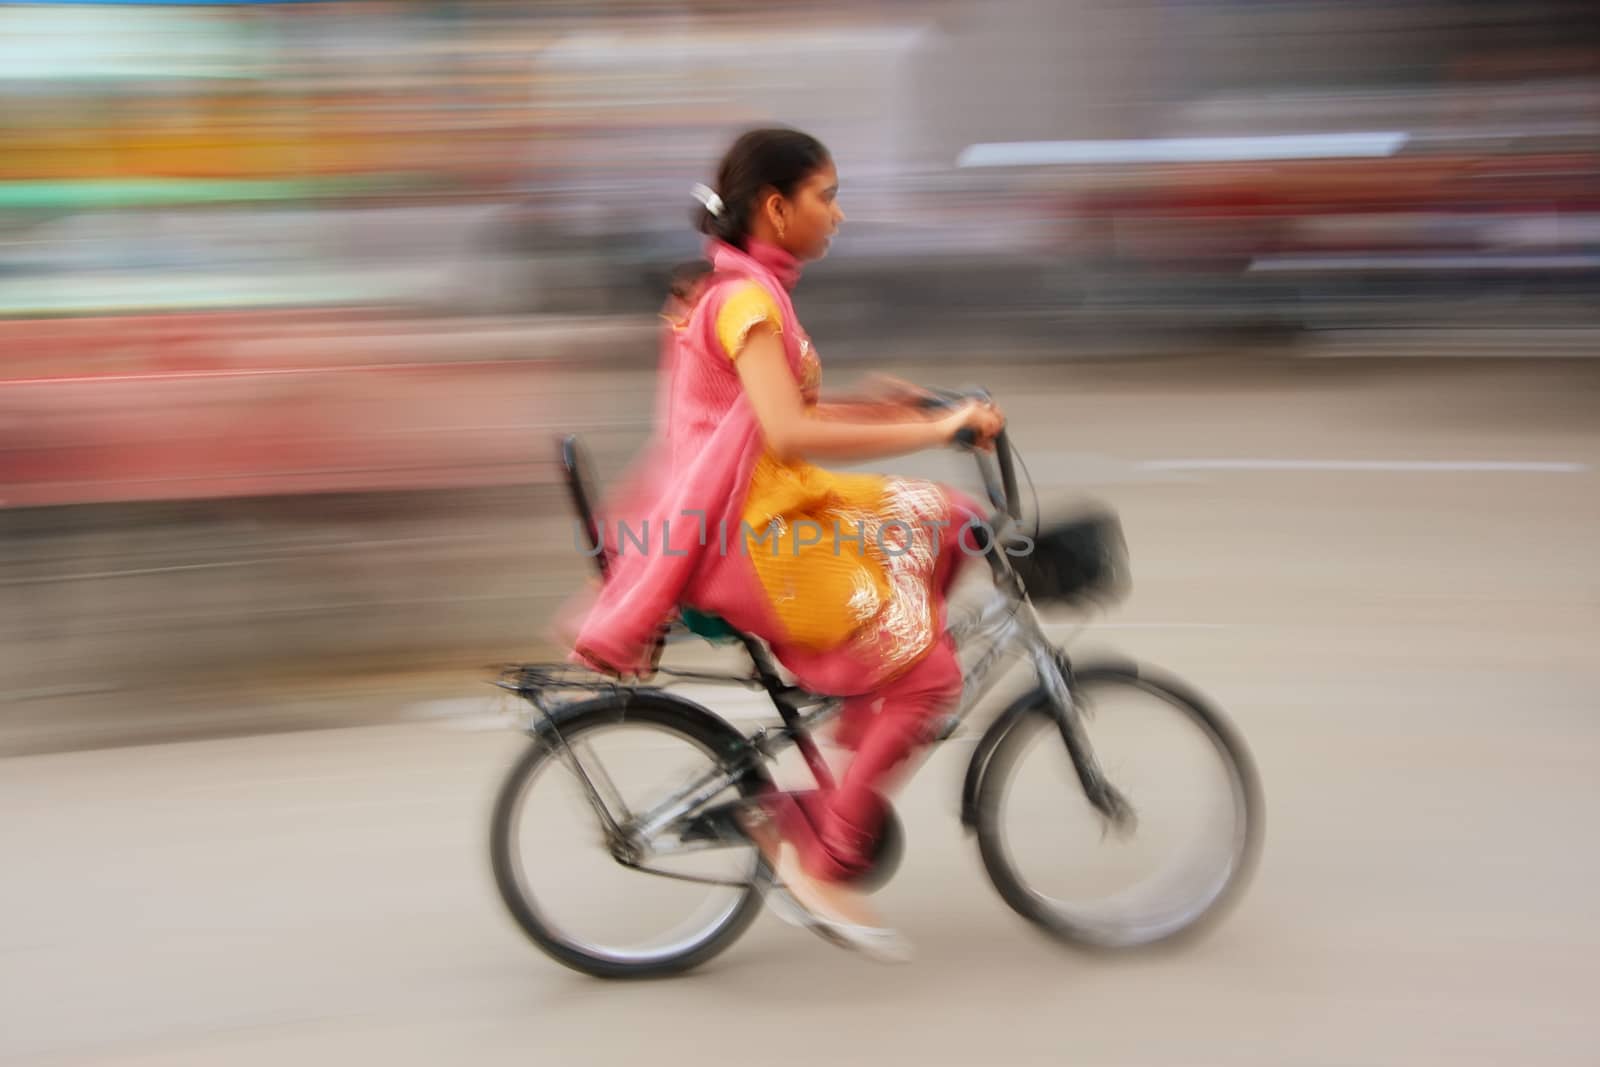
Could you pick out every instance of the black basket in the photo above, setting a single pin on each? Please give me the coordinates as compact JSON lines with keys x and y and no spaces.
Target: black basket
{"x":1081,"y":561}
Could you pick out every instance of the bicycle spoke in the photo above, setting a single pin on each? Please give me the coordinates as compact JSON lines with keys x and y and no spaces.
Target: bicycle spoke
{"x":606,"y":788}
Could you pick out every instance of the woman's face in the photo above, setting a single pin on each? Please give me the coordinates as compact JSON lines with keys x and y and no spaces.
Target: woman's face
{"x":811,"y":217}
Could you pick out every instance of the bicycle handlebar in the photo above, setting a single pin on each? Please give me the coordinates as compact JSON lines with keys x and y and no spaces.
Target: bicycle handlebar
{"x":1008,"y":499}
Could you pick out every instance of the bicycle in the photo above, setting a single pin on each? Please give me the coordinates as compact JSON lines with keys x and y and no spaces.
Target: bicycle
{"x":688,"y":818}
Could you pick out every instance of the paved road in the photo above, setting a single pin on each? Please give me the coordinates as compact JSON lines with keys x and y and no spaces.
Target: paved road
{"x":1388,"y":574}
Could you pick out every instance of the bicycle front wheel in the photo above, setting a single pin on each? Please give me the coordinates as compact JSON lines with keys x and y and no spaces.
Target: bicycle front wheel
{"x":1192,"y":787}
{"x":559,"y":873}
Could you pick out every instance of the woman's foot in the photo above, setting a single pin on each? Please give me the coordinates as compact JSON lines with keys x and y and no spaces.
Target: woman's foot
{"x":831,"y":901}
{"x":880,"y":943}
{"x":832,"y":910}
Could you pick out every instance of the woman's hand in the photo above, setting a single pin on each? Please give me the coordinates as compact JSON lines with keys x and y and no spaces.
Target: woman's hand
{"x":980,"y":416}
{"x":588,"y":660}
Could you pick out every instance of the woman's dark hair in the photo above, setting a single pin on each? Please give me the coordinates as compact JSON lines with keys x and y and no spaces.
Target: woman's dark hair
{"x":772,"y":158}
{"x":778,"y":159}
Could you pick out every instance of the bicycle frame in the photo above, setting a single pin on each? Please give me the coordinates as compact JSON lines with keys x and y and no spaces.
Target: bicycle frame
{"x":1005,"y":626}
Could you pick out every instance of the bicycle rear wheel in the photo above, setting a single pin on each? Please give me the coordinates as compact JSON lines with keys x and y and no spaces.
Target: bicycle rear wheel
{"x":1192,"y":786}
{"x":555,"y":865}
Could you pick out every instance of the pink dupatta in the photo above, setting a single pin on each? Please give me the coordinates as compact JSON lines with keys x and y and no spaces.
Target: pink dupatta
{"x":687,"y":488}
{"x":699,"y":463}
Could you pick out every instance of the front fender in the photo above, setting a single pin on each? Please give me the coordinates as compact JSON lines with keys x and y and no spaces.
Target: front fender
{"x":1035,"y":700}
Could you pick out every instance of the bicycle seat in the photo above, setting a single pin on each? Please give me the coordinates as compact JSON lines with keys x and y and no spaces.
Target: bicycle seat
{"x":713,"y":628}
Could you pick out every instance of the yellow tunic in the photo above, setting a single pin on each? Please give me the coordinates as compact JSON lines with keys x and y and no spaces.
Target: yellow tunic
{"x":825,"y":571}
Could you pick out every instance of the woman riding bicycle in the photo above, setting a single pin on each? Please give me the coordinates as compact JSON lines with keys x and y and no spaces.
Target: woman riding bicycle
{"x":845,"y":576}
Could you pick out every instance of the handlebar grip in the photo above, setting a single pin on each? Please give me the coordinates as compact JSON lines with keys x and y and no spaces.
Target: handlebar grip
{"x":967,"y":438}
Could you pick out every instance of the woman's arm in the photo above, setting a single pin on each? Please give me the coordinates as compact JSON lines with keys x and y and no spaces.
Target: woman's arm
{"x":852,"y":409}
{"x":794,"y":431}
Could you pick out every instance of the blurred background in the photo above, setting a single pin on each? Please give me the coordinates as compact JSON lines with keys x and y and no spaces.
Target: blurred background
{"x":295,"y":296}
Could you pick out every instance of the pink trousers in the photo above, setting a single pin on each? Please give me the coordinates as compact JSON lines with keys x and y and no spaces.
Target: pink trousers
{"x":836,"y":829}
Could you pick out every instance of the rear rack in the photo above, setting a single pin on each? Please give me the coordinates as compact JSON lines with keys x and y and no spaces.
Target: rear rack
{"x":527,"y":679}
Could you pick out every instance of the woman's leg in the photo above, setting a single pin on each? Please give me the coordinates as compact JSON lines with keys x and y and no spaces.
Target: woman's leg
{"x":854,"y":719}
{"x":845,"y":821}
{"x":818,"y":840}
{"x":956,"y":544}
{"x":832,"y":833}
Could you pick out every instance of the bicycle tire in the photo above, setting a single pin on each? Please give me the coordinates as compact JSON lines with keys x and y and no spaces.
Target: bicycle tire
{"x":1006,"y":745}
{"x":694,"y":723}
